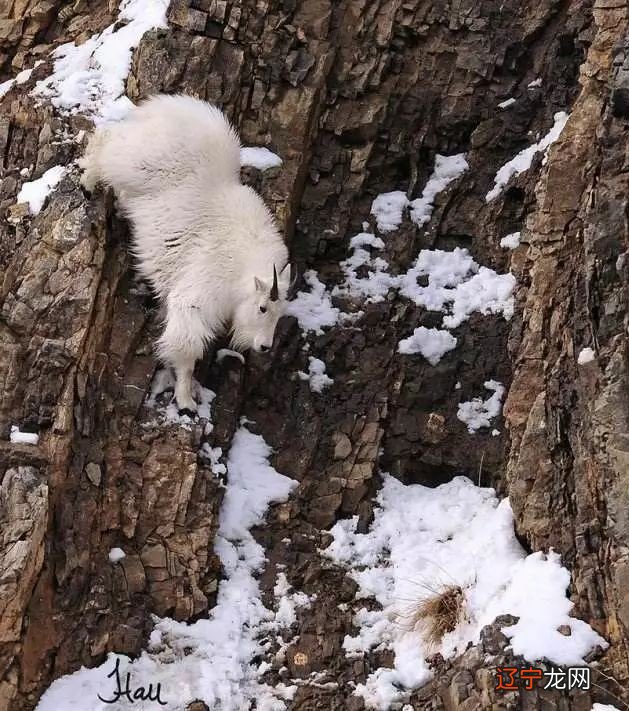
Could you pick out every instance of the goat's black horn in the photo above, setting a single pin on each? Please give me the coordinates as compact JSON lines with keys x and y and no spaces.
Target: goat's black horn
{"x":294,"y":276}
{"x":294,"y":279}
{"x":274,"y":296}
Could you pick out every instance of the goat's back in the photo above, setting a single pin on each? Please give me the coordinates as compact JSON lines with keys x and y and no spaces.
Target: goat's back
{"x":168,"y":140}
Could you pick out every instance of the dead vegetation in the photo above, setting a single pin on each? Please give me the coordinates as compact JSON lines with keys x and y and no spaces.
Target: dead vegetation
{"x":434,"y":614}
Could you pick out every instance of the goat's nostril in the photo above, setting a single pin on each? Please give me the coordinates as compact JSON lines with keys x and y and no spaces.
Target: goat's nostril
{"x":264,"y":349}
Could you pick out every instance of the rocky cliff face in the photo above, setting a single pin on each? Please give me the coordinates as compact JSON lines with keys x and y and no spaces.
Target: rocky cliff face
{"x":357,"y":98}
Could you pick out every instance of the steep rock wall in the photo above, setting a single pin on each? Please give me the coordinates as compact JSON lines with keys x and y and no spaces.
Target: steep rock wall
{"x":357,"y":98}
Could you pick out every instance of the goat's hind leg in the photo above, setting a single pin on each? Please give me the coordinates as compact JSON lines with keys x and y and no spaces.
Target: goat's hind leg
{"x":180,"y":346}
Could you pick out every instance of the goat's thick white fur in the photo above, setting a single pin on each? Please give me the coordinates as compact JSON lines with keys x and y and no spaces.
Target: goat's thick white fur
{"x":206,"y":243}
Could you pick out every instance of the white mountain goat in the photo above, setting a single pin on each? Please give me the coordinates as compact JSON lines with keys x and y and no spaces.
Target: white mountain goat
{"x":207,"y":244}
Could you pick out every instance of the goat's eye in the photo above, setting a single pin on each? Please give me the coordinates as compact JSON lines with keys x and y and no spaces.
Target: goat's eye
{"x":262,"y":309}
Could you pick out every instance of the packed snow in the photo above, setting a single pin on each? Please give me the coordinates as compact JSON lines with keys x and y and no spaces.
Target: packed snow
{"x":215,"y":659}
{"x":522,"y":161}
{"x":18,"y":437}
{"x":510,"y":241}
{"x":313,"y":309}
{"x":432,"y":343}
{"x":116,"y":555}
{"x":423,"y":539}
{"x":586,"y":355}
{"x":506,"y":103}
{"x":36,"y":192}
{"x":316,"y":375}
{"x":259,"y":157}
{"x":535,"y":83}
{"x":478,"y":413}
{"x":90,"y":78}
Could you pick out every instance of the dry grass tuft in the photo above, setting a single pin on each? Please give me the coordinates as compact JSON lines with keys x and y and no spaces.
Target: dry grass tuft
{"x":435,"y":614}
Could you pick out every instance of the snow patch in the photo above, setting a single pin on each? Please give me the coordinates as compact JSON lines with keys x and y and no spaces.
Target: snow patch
{"x":316,"y":375}
{"x":447,"y":169}
{"x":90,"y":78}
{"x":116,"y":555}
{"x":432,"y":343}
{"x":313,"y":309}
{"x":388,"y":209}
{"x":486,"y":292}
{"x":522,"y":161}
{"x":365,"y":239}
{"x":288,"y":602}
{"x":511,"y":241}
{"x":586,"y":355}
{"x":36,"y":192}
{"x":17,"y":437}
{"x":212,"y":456}
{"x":20,"y":78}
{"x":259,"y":157}
{"x":423,"y":539}
{"x":375,"y":284}
{"x":6,"y":86}
{"x":479,"y":413}
{"x":506,"y":103}
{"x":457,"y":286}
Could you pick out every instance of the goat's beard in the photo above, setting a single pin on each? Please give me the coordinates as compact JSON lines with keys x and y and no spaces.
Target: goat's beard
{"x":238,"y":341}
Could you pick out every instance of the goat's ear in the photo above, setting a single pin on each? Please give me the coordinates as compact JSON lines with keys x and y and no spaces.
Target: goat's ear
{"x":284,"y":275}
{"x":260,"y":285}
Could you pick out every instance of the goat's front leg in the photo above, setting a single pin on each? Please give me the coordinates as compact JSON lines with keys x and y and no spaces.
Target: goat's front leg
{"x":181,"y":344}
{"x":184,"y":367}
{"x":90,"y":162}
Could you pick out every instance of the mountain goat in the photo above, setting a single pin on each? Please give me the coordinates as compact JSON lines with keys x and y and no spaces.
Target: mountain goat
{"x":207,"y":244}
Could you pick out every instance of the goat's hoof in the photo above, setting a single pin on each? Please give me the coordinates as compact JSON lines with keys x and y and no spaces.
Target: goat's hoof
{"x":188,"y":412}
